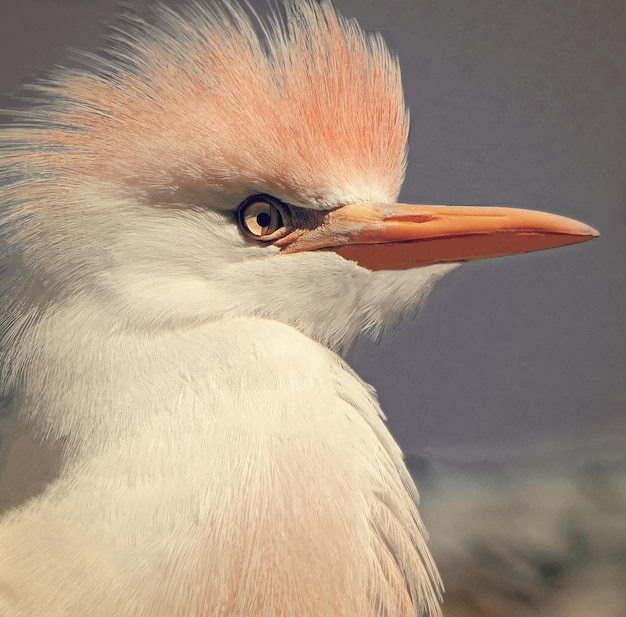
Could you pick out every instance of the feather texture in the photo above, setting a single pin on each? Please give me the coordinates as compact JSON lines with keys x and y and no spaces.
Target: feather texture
{"x":219,"y":458}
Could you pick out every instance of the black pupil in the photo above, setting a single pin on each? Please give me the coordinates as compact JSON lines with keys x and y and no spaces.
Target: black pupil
{"x":263,"y":219}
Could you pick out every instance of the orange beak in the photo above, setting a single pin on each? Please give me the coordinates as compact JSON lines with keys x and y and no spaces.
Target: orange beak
{"x":397,"y":237}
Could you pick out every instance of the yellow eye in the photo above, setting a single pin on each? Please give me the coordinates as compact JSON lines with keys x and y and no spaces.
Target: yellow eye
{"x":263,"y":218}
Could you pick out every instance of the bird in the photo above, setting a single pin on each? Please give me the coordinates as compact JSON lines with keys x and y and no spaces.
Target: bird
{"x":197,"y":223}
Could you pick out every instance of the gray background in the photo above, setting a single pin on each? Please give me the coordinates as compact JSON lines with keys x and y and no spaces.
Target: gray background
{"x":512,"y":103}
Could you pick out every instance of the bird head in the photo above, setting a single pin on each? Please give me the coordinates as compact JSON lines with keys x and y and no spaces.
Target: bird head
{"x":208,"y":166}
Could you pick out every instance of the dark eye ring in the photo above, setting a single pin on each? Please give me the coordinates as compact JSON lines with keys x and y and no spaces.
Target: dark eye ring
{"x":263,"y":217}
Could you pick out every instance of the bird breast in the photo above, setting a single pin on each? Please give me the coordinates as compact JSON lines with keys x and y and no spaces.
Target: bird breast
{"x":254,"y":476}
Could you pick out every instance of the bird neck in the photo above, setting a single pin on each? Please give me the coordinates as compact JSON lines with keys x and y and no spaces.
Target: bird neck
{"x":239,"y":437}
{"x":100,"y":387}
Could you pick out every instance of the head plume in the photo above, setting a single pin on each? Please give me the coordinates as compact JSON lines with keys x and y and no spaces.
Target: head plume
{"x":213,"y":100}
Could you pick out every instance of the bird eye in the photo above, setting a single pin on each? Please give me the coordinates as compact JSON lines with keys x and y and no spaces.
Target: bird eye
{"x":263,"y":218}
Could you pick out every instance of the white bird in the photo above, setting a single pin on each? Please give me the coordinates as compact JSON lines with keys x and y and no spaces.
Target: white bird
{"x":193,"y":227}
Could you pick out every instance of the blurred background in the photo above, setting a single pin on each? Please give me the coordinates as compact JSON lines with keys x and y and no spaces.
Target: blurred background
{"x":508,"y":392}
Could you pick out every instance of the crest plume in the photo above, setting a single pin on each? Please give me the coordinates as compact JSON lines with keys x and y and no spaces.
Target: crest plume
{"x":309,"y":104}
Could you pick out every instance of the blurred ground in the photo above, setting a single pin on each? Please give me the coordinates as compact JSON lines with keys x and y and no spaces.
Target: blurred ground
{"x":520,"y":540}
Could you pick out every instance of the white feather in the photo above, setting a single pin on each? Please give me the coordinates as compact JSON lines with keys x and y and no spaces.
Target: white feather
{"x":219,"y":456}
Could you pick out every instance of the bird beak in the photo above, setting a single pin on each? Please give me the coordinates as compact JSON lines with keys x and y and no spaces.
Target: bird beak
{"x":400,"y":236}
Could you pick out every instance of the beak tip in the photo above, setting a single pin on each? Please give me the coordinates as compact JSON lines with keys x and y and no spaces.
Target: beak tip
{"x":587,"y":231}
{"x":577,"y":230}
